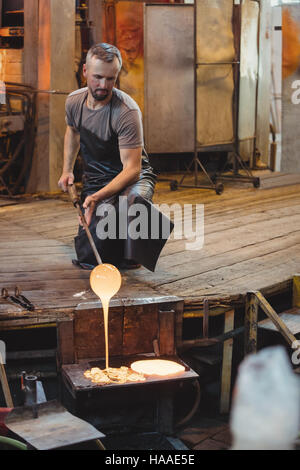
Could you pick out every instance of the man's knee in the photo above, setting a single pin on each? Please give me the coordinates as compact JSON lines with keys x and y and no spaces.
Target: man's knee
{"x":131,"y":193}
{"x":141,"y":189}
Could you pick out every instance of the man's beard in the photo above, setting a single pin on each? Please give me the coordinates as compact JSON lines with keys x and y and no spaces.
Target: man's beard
{"x":98,"y":97}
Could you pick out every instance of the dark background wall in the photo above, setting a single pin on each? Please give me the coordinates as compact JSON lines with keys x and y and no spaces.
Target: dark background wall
{"x":11,"y":5}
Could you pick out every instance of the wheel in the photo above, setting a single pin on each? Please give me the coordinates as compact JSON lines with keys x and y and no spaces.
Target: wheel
{"x":219,"y":188}
{"x":174,"y":185}
{"x":256,"y":183}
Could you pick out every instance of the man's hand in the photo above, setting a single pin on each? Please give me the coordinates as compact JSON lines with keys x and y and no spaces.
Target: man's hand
{"x":65,"y":180}
{"x":89,"y":206}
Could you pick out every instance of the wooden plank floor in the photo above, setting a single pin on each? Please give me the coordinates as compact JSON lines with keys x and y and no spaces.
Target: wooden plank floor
{"x":252,"y":241}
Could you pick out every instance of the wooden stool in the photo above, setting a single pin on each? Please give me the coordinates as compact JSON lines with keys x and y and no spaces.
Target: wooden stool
{"x":287,"y":323}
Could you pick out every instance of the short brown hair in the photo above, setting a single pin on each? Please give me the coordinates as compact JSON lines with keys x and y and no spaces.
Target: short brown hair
{"x":105,"y":52}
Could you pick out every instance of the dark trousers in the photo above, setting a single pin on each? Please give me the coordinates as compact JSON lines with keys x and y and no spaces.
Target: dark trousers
{"x":145,"y":251}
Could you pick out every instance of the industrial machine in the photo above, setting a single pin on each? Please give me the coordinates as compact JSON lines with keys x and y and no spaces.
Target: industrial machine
{"x":17,"y":131}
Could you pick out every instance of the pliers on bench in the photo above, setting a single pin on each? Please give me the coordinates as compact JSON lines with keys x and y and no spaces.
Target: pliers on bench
{"x":17,"y":299}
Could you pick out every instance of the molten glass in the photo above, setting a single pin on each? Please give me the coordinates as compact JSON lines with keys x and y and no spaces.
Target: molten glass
{"x":158,"y":367}
{"x":105,"y":280}
{"x":120,"y":375}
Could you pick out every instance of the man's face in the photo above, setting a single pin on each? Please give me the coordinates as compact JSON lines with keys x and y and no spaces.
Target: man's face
{"x":101,"y":77}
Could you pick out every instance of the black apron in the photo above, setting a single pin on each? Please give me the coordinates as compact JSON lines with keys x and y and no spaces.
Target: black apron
{"x":101,"y":164}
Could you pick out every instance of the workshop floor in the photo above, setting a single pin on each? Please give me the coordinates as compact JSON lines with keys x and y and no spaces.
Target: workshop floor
{"x":207,"y":434}
{"x":252,"y":238}
{"x":251,"y":241}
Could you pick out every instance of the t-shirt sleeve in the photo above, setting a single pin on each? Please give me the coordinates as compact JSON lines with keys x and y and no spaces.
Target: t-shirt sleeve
{"x":70,"y":114}
{"x":130,"y":130}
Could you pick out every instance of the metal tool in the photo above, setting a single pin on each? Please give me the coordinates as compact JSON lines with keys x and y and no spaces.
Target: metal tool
{"x":18,"y":299}
{"x":30,"y":389}
{"x":21,"y":298}
{"x":54,"y":428}
{"x":76,"y":202}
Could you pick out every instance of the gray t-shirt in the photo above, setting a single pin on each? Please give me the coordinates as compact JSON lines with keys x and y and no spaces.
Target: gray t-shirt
{"x":125,"y":119}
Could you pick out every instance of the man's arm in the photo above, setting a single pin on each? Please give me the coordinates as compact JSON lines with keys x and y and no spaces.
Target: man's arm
{"x":71,"y":148}
{"x":131,"y":160}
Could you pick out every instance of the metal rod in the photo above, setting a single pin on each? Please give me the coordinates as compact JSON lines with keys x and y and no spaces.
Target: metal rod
{"x":30,"y":389}
{"x":99,"y":444}
{"x":204,"y":342}
{"x":52,"y":92}
{"x":30,"y":383}
{"x":205,"y":318}
{"x":17,"y":88}
{"x":76,"y":202}
{"x":235,"y":62}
